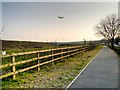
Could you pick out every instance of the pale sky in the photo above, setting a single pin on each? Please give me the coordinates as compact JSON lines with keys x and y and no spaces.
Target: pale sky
{"x":37,"y":21}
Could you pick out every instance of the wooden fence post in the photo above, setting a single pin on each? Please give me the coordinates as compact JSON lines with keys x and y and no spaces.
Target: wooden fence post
{"x":79,"y":50}
{"x":13,"y":68}
{"x":84,"y":48}
{"x":75,"y":51}
{"x":68,"y":52}
{"x":52,"y":56}
{"x":61,"y":53}
{"x":38,"y":54}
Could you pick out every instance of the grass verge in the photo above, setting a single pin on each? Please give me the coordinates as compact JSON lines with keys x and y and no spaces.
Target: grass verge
{"x":117,"y":50}
{"x":58,"y":75}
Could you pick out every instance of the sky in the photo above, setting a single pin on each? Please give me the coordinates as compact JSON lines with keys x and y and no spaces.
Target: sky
{"x":38,"y":21}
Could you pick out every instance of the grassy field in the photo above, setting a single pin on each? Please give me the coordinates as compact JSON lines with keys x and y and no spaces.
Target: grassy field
{"x":25,"y":46}
{"x":31,"y":49}
{"x":10,"y":51}
{"x":58,"y":75}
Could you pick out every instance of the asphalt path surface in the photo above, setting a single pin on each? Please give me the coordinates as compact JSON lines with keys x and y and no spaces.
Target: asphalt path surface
{"x":102,"y":72}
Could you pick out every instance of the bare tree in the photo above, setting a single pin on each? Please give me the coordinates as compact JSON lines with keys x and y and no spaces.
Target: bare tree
{"x":108,"y":28}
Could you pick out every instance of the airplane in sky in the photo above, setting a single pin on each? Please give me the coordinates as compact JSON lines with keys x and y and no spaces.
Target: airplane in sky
{"x":60,"y":17}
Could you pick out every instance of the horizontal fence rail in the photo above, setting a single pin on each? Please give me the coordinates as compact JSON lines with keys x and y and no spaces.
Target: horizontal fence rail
{"x":53,"y":54}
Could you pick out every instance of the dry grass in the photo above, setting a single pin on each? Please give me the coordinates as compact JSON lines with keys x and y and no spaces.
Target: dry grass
{"x":58,"y":75}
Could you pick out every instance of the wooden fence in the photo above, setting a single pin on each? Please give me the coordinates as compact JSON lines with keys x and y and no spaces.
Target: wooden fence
{"x":62,"y":53}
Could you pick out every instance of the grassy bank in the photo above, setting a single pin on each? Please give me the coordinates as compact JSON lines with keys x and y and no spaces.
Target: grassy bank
{"x":10,"y":51}
{"x":26,"y":46}
{"x":58,"y":75}
{"x":117,"y":50}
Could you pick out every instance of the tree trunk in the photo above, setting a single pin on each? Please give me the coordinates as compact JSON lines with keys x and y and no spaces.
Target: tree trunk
{"x":112,"y":43}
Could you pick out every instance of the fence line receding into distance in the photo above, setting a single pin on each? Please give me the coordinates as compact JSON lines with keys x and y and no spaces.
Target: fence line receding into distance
{"x":55,"y":54}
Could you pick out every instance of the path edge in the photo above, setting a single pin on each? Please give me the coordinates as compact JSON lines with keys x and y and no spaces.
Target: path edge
{"x":83,"y":69}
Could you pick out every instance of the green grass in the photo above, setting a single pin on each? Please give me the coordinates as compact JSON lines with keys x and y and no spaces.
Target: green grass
{"x":58,"y":75}
{"x":28,"y":49}
{"x":10,"y":51}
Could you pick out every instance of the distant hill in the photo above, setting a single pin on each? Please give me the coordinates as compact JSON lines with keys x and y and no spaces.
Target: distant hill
{"x":9,"y":44}
{"x":22,"y":44}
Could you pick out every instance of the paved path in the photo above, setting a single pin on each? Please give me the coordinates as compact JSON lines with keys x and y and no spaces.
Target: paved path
{"x":102,"y":72}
